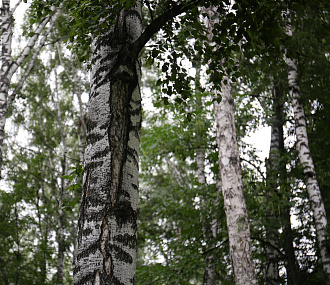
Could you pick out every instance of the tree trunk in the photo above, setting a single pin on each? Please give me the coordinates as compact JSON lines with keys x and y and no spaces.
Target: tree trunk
{"x":60,"y":190}
{"x":240,"y":245}
{"x":278,"y":190}
{"x":209,"y":227}
{"x":10,"y":66}
{"x":306,"y":160}
{"x":232,"y":189}
{"x":107,"y":226}
{"x":272,"y":219}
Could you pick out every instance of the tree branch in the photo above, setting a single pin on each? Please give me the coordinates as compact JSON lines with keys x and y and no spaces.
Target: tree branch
{"x":160,"y":21}
{"x":270,"y":245}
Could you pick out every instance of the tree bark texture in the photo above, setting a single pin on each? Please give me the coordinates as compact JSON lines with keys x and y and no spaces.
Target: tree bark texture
{"x":240,"y":246}
{"x":107,"y":226}
{"x":306,"y":160}
{"x":272,"y":219}
{"x":232,"y":189}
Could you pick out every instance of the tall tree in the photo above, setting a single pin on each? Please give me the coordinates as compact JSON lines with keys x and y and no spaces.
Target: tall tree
{"x":306,"y":159}
{"x":231,"y":179}
{"x":107,"y":228}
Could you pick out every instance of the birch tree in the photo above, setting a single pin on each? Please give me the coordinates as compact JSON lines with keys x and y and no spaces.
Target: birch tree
{"x":10,"y":65}
{"x":231,"y":180}
{"x":107,"y":227}
{"x":312,"y":186}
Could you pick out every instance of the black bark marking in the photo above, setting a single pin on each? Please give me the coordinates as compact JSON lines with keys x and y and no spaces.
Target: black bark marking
{"x":90,"y":249}
{"x":120,"y":254}
{"x":127,"y":240}
{"x":101,"y":154}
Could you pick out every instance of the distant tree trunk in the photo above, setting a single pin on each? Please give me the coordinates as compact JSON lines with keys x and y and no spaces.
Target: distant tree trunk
{"x":313,"y":189}
{"x":232,"y":189}
{"x":9,"y":66}
{"x":209,"y":227}
{"x":240,"y":246}
{"x":272,"y":218}
{"x":277,"y":180}
{"x":60,"y":190}
{"x":107,"y":226}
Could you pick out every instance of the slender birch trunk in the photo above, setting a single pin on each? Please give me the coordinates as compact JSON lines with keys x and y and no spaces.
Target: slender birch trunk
{"x":312,"y":186}
{"x":9,"y":66}
{"x":232,"y":188}
{"x":107,"y":227}
{"x":240,"y":246}
{"x":61,"y":190}
{"x":210,"y":228}
{"x":278,"y":189}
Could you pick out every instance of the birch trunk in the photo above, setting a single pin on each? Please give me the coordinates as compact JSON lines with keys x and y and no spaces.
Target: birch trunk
{"x":278,"y":189}
{"x":61,"y":189}
{"x":232,"y":189}
{"x":209,"y":229}
{"x":231,"y":180}
{"x":306,"y":160}
{"x":9,"y":66}
{"x":272,"y":255}
{"x":107,"y":226}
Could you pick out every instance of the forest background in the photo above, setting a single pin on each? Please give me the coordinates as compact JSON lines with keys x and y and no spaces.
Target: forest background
{"x":182,"y":226}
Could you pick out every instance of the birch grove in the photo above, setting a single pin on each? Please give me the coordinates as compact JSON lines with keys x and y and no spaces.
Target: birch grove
{"x":171,"y":193}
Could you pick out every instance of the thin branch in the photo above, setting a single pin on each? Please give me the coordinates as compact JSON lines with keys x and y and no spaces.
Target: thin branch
{"x":215,"y":247}
{"x":150,"y":10}
{"x":255,"y":166}
{"x":17,"y":4}
{"x":269,"y":244}
{"x":26,"y":51}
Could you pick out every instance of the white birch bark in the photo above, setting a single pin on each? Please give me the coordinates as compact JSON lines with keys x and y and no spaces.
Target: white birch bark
{"x":306,"y":160}
{"x":240,"y":246}
{"x":232,"y":188}
{"x":107,"y":227}
{"x":312,"y":186}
